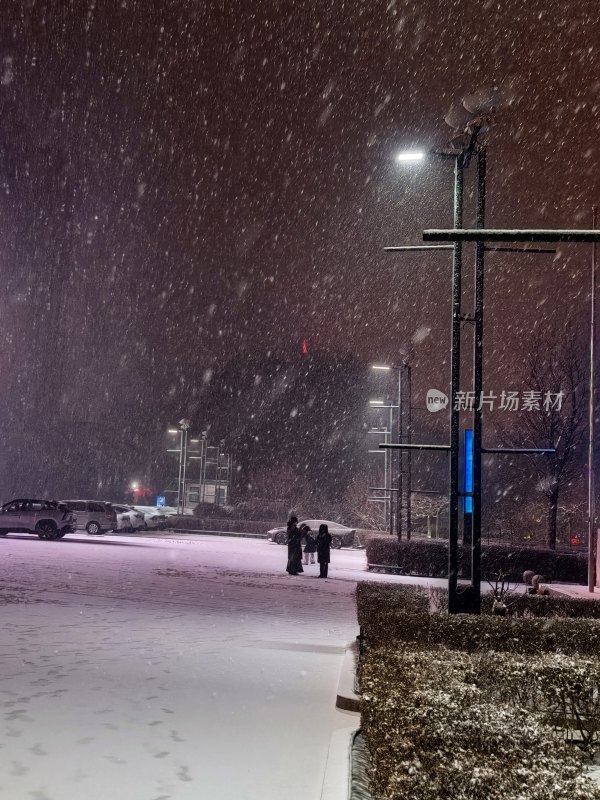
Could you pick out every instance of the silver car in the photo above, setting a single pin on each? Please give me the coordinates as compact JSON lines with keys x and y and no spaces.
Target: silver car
{"x":47,"y":518}
{"x":93,"y":516}
{"x":341,"y":536}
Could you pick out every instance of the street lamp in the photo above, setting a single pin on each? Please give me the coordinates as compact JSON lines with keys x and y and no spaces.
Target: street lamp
{"x":592,"y":423}
{"x":402,"y":368}
{"x":179,"y":450}
{"x":184,"y":425}
{"x":387,"y":484}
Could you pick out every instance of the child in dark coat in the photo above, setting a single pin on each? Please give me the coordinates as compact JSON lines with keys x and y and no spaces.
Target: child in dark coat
{"x":310,"y":546}
{"x":323,"y":550}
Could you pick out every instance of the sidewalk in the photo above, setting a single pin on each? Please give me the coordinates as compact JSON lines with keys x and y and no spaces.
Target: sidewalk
{"x":573,"y":590}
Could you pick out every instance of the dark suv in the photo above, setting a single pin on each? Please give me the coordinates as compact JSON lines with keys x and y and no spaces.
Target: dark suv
{"x":47,"y":518}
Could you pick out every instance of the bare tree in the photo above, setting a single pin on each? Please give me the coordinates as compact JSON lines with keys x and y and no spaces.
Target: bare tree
{"x":557,"y":417}
{"x":429,"y":506}
{"x":358,"y":510}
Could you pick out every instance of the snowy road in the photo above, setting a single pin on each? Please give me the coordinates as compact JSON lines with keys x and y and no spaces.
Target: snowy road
{"x":153,"y":669}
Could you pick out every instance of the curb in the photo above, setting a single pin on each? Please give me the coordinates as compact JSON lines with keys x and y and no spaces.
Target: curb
{"x":337,"y":779}
{"x":347,"y":699}
{"x":222,"y":533}
{"x":338,"y":771}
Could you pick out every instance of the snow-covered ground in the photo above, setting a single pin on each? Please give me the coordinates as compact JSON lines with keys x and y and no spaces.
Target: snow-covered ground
{"x":151,"y":669}
{"x":169,"y":668}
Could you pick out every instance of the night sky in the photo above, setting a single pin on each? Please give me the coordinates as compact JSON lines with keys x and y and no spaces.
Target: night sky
{"x":184,"y":184}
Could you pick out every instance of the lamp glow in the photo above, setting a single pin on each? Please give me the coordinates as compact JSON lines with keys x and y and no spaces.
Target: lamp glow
{"x":415,"y":155}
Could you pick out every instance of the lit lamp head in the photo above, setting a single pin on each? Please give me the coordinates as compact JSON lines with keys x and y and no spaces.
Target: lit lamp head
{"x":410,"y":156}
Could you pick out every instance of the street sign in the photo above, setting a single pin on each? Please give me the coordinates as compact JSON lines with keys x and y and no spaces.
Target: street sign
{"x":161,"y":500}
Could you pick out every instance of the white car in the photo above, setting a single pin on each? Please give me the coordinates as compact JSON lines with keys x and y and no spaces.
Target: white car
{"x":341,"y":536}
{"x":128,"y":519}
{"x":154,"y":518}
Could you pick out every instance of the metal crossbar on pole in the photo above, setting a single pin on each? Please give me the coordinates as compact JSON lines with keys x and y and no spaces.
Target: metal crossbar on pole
{"x":460,"y":235}
{"x":395,"y":446}
{"x":518,"y":450}
{"x":410,"y":247}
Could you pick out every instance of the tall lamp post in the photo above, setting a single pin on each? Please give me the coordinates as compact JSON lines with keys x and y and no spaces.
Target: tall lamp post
{"x":184,"y":425}
{"x":173,"y":432}
{"x":387,"y":464}
{"x":592,"y":424}
{"x":469,"y":123}
{"x":404,"y":434}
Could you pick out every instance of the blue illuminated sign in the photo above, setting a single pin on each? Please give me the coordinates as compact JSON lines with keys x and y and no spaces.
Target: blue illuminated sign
{"x":468,"y":473}
{"x":161,"y":500}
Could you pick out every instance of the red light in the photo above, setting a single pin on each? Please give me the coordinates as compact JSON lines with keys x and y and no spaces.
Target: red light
{"x":304,"y":347}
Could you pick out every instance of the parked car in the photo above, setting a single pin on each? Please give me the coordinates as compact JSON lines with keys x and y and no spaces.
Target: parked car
{"x":154,"y":517}
{"x":128,"y":518}
{"x":341,"y":536}
{"x":47,"y":518}
{"x":93,"y":516}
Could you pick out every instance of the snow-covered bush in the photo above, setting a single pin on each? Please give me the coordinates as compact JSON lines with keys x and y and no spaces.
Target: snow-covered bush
{"x":432,"y":732}
{"x":565,"y":690}
{"x":430,"y":558}
{"x":390,"y":597}
{"x":376,"y":598}
{"x":479,"y":633}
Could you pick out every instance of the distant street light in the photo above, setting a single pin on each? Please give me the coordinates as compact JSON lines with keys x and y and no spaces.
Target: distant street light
{"x":184,"y":425}
{"x":402,"y":368}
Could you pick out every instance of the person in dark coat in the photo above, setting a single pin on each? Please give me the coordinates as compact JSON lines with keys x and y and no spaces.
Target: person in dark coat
{"x":323,"y":550}
{"x":310,"y":546}
{"x":294,"y":563}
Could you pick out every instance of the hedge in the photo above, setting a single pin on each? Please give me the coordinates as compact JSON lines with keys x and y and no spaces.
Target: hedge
{"x":190,"y":523}
{"x":430,"y":559}
{"x":477,"y":633}
{"x":374,"y":598}
{"x":431,"y":732}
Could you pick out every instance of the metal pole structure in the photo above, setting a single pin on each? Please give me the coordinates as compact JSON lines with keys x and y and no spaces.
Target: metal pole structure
{"x":453,"y":599}
{"x":387,"y":466}
{"x":572,"y":235}
{"x":478,"y":388}
{"x":218,"y":475}
{"x":180,"y":469}
{"x":200,"y":474}
{"x":592,"y":425}
{"x":185,"y":437}
{"x":409,"y":452}
{"x":399,"y":499}
{"x":204,"y":471}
